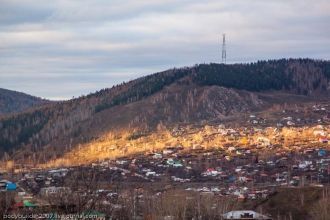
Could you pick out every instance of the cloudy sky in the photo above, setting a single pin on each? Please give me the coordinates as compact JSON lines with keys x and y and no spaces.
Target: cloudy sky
{"x":59,"y":49}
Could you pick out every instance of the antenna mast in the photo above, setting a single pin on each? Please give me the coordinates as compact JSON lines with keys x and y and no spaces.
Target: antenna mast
{"x":224,"y":53}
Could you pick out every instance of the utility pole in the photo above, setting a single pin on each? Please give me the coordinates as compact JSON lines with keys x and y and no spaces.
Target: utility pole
{"x":224,"y":53}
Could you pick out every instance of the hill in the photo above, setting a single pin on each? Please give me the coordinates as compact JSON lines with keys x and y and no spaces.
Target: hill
{"x":15,"y":102}
{"x":200,"y":94}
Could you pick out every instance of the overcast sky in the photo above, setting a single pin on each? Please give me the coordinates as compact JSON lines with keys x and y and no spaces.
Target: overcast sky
{"x":58,"y":49}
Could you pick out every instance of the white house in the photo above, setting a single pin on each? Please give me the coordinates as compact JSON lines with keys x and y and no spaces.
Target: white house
{"x":245,"y":215}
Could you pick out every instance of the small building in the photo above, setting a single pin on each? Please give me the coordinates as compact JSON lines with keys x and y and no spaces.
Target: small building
{"x":323,"y":140}
{"x":6,"y":185}
{"x":59,"y":172}
{"x":321,"y":153}
{"x":174,"y":162}
{"x":47,"y":191}
{"x":3,"y":185}
{"x":263,"y":141}
{"x":11,"y":186}
{"x":245,"y":215}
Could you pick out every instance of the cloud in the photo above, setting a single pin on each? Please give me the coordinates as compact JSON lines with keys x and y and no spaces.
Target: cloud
{"x":82,"y":46}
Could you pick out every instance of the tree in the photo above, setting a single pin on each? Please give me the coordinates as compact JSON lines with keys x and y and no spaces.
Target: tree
{"x":6,"y":202}
{"x":321,"y":210}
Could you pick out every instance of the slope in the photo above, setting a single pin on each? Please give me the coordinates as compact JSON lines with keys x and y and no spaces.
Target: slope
{"x":14,"y":102}
{"x":202,"y":93}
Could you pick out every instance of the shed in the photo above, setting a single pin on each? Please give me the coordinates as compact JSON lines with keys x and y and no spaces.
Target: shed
{"x":11,"y":186}
{"x":29,"y":204}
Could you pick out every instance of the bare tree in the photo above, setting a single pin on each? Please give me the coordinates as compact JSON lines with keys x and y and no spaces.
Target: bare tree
{"x":79,"y":194}
{"x":6,"y":202}
{"x":321,"y":210}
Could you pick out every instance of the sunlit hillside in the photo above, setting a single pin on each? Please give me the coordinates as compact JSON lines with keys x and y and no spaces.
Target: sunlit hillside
{"x":231,"y":141}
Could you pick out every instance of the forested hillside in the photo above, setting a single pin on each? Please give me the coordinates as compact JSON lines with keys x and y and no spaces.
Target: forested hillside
{"x":202,"y":92}
{"x":13,"y":102}
{"x":301,"y":76}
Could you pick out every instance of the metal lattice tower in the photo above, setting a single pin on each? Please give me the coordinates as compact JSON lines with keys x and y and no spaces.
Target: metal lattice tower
{"x":224,"y":53}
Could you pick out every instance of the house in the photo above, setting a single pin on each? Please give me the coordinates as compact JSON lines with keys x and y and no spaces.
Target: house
{"x":321,"y":153}
{"x":304,"y":164}
{"x":174,"y":163}
{"x":151,"y":173}
{"x":263,"y":141}
{"x":121,"y":162}
{"x":323,"y":140}
{"x":6,"y":185}
{"x":319,"y":132}
{"x":245,"y":215}
{"x":290,"y":123}
{"x":157,"y":156}
{"x":54,"y":190}
{"x":210,"y":172}
{"x":167,"y":151}
{"x":59,"y":172}
{"x":11,"y":186}
{"x":3,"y":185}
{"x":231,"y":149}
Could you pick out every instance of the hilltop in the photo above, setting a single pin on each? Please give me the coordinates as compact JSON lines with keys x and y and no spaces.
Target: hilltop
{"x":15,"y":102}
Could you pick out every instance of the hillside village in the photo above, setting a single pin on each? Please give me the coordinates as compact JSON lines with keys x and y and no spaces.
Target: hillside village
{"x":248,"y":164}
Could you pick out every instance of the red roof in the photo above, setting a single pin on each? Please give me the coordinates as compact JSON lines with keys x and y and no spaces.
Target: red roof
{"x":19,"y":205}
